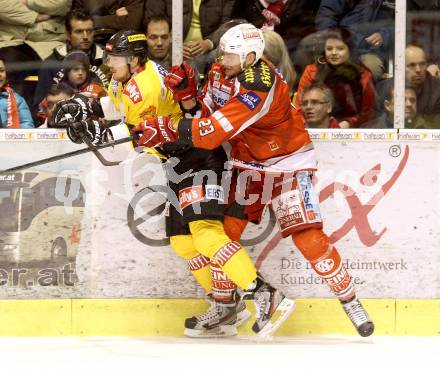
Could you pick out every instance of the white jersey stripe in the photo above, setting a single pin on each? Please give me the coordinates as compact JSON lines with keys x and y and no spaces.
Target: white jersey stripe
{"x":224,"y":122}
{"x":298,"y":160}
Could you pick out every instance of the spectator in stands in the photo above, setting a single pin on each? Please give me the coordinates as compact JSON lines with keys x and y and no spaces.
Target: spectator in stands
{"x":200,"y":20}
{"x":275,"y":51}
{"x":14,"y":112}
{"x":317,"y":105}
{"x":292,"y":19}
{"x":351,"y":83}
{"x":158,"y":33}
{"x":426,"y":87}
{"x":114,"y":14}
{"x":372,"y":26}
{"x":77,"y":74}
{"x":56,"y":93}
{"x":29,"y":30}
{"x":386,"y":120}
{"x":80,"y":36}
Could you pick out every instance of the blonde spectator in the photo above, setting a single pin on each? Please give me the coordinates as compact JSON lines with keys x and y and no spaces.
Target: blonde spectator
{"x":276,"y":51}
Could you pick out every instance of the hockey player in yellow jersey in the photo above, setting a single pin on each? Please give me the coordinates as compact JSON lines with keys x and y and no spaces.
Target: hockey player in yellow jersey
{"x":137,"y":89}
{"x":195,"y":225}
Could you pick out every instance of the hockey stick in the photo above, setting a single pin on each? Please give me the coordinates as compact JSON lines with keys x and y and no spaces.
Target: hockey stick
{"x":101,"y":158}
{"x":90,"y":147}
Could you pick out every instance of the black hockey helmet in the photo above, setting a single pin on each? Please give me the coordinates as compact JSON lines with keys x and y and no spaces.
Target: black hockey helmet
{"x":127,"y":43}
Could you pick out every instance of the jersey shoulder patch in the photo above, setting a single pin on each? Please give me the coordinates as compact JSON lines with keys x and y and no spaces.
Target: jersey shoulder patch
{"x":133,"y":92}
{"x":162,"y":71}
{"x":259,"y":77}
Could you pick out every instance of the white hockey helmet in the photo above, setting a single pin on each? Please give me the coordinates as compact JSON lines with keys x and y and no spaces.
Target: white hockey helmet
{"x":242,"y":40}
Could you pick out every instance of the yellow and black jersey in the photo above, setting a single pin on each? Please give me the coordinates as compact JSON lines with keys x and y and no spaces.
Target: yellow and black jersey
{"x":144,"y":96}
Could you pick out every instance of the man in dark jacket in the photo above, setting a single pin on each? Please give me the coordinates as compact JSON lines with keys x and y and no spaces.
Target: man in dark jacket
{"x":211,"y":15}
{"x":386,"y":119}
{"x":158,"y":33}
{"x":426,"y":87}
{"x":80,"y":36}
{"x":114,"y":14}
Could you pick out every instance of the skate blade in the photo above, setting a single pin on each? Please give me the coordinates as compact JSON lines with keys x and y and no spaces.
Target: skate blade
{"x":243,"y":317}
{"x":284,"y":309}
{"x":218,"y":332}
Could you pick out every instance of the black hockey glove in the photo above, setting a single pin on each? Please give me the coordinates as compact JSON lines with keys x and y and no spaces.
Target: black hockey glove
{"x":76,"y":109}
{"x":92,"y":130}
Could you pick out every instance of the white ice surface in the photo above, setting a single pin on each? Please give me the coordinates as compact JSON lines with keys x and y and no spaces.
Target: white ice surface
{"x":242,"y":352}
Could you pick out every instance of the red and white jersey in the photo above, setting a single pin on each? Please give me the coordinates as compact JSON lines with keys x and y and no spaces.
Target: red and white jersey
{"x":253,"y":112}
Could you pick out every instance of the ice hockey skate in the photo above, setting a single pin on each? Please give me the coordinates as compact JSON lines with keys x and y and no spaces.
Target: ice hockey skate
{"x":359,"y":317}
{"x":272,"y":307}
{"x":219,"y":321}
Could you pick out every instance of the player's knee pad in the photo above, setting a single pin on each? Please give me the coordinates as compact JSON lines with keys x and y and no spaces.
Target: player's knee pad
{"x":211,"y":241}
{"x":183,"y":246}
{"x":313,"y":243}
{"x":234,"y":227}
{"x":208,"y":236}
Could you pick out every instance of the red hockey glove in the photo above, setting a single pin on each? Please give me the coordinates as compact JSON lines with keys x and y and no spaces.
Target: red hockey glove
{"x":155,"y":131}
{"x":181,"y":80}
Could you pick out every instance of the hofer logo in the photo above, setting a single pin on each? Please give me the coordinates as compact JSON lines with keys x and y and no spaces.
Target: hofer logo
{"x":190,"y":195}
{"x":250,"y":99}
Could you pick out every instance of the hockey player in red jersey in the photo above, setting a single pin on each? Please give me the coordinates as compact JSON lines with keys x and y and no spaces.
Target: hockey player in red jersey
{"x":195,"y":219}
{"x":247,"y":103}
